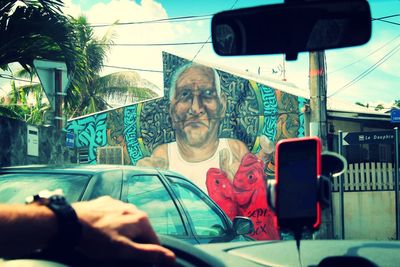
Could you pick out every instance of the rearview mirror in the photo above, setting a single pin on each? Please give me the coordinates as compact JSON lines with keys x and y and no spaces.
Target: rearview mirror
{"x":291,"y":28}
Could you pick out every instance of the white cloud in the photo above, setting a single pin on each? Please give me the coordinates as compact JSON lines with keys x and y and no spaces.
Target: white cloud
{"x":129,"y":11}
{"x":136,"y":56}
{"x":296,"y":72}
{"x":71,"y":9}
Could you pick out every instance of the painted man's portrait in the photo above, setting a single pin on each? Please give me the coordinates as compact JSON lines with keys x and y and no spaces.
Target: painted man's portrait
{"x":217,"y":129}
{"x":222,"y":166}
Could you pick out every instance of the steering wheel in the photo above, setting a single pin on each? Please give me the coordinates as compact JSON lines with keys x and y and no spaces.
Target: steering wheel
{"x":187,"y":255}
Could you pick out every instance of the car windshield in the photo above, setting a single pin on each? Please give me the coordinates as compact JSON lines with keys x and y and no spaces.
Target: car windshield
{"x":16,"y":187}
{"x":139,"y":83}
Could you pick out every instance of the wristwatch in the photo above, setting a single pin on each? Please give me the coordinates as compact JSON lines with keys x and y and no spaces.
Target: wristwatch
{"x":69,"y":227}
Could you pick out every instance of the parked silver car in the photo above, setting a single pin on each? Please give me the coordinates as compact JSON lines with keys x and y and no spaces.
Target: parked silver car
{"x":175,"y":206}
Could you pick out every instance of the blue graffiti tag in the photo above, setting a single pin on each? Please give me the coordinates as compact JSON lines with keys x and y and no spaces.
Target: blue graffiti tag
{"x":130,"y":133}
{"x":302,"y":102}
{"x":270,"y":111}
{"x":90,"y":132}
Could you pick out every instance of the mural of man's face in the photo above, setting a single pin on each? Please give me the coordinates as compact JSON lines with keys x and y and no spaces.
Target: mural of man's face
{"x":196,"y":109}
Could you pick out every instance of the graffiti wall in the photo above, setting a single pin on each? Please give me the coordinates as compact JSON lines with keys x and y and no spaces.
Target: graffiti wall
{"x":217,"y":129}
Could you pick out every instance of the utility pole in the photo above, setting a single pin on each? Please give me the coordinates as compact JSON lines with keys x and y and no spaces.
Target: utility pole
{"x":318,"y":121}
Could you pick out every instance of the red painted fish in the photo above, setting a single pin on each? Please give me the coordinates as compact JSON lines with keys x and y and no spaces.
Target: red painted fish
{"x":251,"y":196}
{"x":220,"y":190}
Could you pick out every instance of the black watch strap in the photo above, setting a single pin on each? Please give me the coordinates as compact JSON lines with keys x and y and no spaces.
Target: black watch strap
{"x":69,"y":227}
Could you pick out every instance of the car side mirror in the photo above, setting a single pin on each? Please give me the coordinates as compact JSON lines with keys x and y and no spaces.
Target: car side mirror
{"x":243,"y":225}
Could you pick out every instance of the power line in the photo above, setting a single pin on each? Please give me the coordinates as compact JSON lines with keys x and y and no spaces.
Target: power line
{"x":369,"y":70}
{"x":390,"y":22}
{"x":173,"y":19}
{"x":208,"y":39}
{"x":188,"y":19}
{"x":386,"y":17}
{"x":9,"y":77}
{"x":370,"y":54}
{"x":157,"y":44}
{"x":137,"y":69}
{"x":198,"y":51}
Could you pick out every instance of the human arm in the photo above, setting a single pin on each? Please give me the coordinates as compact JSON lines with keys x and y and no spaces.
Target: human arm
{"x":229,"y":160}
{"x":111,"y":229}
{"x":24,"y":229}
{"x":158,"y":159}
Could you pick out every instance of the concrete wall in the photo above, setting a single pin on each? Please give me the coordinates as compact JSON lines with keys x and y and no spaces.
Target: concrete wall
{"x":13,"y":139}
{"x":367,"y":215}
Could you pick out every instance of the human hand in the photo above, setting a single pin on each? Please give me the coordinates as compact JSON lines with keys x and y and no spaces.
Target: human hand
{"x":155,"y":162}
{"x":114,"y":230}
{"x":228,"y":163}
{"x":267,"y":149}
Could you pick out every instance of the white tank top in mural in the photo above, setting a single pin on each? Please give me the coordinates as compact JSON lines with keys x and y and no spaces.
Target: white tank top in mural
{"x":194,"y":171}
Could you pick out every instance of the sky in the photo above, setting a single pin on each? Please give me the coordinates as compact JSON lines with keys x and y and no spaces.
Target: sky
{"x":343,"y":65}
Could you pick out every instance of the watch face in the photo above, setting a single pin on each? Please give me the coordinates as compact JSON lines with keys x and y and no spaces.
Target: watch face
{"x":58,"y":200}
{"x":44,"y":196}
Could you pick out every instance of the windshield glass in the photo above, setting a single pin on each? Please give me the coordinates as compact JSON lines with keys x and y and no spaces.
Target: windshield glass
{"x":15,"y":188}
{"x":138,"y":83}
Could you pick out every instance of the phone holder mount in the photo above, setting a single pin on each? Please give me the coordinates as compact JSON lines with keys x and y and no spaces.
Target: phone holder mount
{"x":332,"y":165}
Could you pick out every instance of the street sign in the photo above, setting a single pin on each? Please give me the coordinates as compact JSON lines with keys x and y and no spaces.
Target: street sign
{"x":70,"y":140}
{"x":395,"y":115}
{"x":45,"y":70}
{"x":359,"y":138}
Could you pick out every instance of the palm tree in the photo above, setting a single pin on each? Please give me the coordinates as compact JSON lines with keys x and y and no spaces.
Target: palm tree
{"x":31,"y":29}
{"x":84,"y":97}
{"x":17,"y":104}
{"x":94,"y":90}
{"x":124,"y":87}
{"x":38,"y":29}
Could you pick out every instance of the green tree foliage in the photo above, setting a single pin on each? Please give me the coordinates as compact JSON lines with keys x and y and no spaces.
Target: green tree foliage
{"x":31,"y":29}
{"x":83,"y":97}
{"x":37,"y":29}
{"x":90,"y":91}
{"x":379,"y":107}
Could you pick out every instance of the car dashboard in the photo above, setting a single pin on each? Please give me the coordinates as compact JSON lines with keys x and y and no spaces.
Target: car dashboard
{"x":320,"y":253}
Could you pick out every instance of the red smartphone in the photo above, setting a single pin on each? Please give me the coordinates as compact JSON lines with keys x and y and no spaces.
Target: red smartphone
{"x":298,"y":166}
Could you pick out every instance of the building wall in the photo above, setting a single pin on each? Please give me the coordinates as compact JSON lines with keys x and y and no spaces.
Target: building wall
{"x":368,"y":215}
{"x":253,"y":109}
{"x":346,"y":126}
{"x":13,"y":136}
{"x":369,"y":197}
{"x":253,"y":112}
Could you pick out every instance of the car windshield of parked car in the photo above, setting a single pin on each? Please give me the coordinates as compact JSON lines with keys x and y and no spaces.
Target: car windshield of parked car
{"x":16,"y":187}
